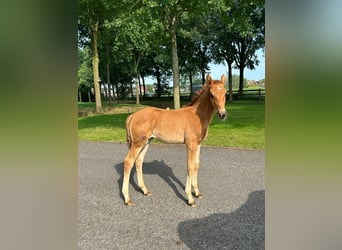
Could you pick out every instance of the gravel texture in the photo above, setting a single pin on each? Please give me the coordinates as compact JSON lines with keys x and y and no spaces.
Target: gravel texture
{"x":231,"y":214}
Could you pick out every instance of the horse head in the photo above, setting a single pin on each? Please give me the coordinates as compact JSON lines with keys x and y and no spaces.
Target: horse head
{"x":217,"y":95}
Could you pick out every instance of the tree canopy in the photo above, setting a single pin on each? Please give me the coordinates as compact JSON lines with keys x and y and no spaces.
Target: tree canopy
{"x":130,"y":40}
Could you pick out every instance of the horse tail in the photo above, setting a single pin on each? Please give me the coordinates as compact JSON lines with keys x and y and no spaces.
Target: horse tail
{"x":129,"y":131}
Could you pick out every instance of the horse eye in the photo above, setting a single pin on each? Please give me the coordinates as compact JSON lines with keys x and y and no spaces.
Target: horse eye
{"x":211,"y":95}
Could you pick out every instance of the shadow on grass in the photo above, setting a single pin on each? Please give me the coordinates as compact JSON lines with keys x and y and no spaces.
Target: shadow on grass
{"x":242,"y":229}
{"x":155,"y":167}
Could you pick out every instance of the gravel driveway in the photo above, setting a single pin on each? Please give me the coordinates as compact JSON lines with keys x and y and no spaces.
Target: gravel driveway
{"x":230,"y":215}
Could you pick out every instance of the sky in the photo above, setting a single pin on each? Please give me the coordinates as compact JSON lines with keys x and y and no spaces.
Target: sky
{"x":257,"y":74}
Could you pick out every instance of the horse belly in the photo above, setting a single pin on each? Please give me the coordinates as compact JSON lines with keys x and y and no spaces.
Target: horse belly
{"x":169,"y":130}
{"x":170,"y":136}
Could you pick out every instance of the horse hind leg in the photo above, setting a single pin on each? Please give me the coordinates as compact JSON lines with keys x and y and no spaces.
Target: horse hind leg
{"x":128,"y":164}
{"x":139,"y":164}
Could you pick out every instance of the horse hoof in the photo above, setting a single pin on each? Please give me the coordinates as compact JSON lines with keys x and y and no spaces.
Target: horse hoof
{"x":128,"y":203}
{"x":148,"y":194}
{"x":193,"y":204}
{"x":198,"y":196}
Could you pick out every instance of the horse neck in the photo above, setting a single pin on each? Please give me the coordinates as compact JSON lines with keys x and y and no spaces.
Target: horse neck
{"x":204,"y":108}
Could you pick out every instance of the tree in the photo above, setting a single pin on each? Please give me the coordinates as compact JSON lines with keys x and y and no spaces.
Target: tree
{"x":171,"y":11}
{"x":239,"y":32}
{"x":187,"y":60}
{"x":222,"y":46}
{"x":84,"y":72}
{"x":108,"y":41}
{"x":236,"y":81}
{"x":249,"y":35}
{"x":138,"y":29}
{"x":91,"y":16}
{"x":158,"y":64}
{"x":94,"y":17}
{"x":194,"y":39}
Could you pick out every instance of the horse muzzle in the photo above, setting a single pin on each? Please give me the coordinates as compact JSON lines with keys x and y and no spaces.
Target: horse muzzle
{"x":222,"y":115}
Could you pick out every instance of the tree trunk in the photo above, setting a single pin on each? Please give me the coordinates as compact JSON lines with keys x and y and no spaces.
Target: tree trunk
{"x":96,"y":69}
{"x":241,"y":82}
{"x":190,"y":79}
{"x":89,"y":96}
{"x":112,"y":92}
{"x":105,"y":91}
{"x":144,"y":86}
{"x":108,"y":74}
{"x":139,"y":81}
{"x":175,"y":67}
{"x":202,"y":63}
{"x":117,"y":92}
{"x":80,"y":95}
{"x":230,"y":81}
{"x":203,"y":76}
{"x":159,"y":90}
{"x":137,"y":99}
{"x":131,"y":89}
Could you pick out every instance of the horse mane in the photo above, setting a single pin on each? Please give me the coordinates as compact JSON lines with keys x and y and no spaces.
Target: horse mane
{"x":197,"y":95}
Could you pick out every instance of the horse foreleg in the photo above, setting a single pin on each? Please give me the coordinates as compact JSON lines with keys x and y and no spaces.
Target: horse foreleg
{"x":138,"y":164}
{"x":191,"y":169}
{"x":195,"y":175}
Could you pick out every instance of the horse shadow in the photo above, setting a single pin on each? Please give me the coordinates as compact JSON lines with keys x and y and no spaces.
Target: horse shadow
{"x":155,"y":167}
{"x":243,"y":228}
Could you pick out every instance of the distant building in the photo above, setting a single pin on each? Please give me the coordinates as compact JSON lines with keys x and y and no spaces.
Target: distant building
{"x":254,"y":82}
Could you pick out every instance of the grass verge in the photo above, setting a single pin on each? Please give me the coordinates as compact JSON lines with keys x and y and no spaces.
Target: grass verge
{"x":244,"y":127}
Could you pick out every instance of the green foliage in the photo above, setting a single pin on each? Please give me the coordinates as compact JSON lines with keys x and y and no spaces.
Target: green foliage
{"x":194,"y":39}
{"x":204,"y":31}
{"x":137,"y":30}
{"x":85,"y":77}
{"x":239,"y":33}
{"x":91,"y":12}
{"x":249,"y":31}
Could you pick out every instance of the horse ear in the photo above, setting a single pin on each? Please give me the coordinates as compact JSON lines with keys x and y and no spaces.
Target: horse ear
{"x":223,"y":79}
{"x":208,"y":79}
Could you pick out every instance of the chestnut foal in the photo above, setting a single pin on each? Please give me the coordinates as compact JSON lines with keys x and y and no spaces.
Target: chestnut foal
{"x":187,"y":125}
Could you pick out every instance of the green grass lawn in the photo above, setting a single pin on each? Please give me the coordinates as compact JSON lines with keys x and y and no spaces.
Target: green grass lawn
{"x":244,"y":127}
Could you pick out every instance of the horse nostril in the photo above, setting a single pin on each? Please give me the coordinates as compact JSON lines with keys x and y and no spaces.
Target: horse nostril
{"x":222,"y":115}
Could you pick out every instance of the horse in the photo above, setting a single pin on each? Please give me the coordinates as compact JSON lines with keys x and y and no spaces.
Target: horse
{"x":187,"y":125}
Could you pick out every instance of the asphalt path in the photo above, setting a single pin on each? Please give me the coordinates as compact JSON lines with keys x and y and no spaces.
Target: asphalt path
{"x":230,"y":215}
